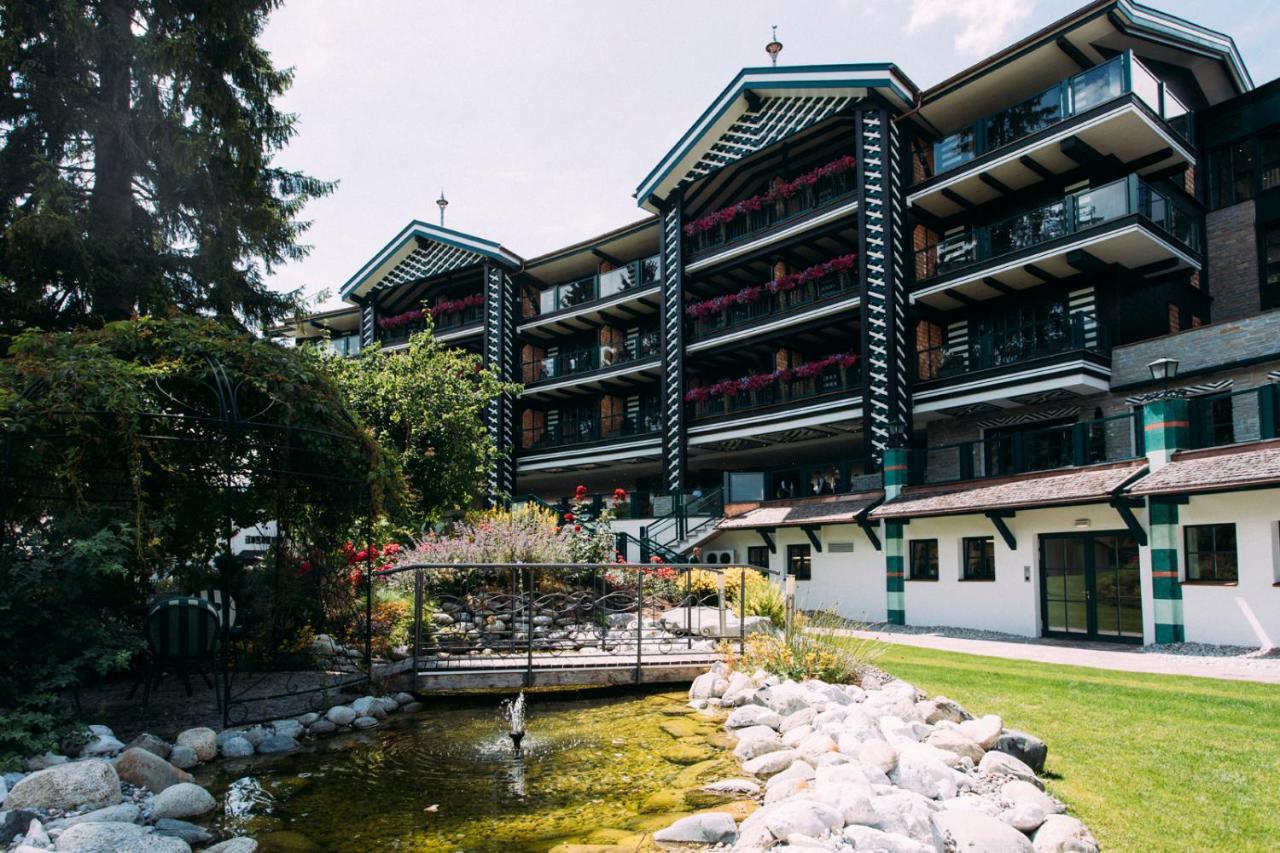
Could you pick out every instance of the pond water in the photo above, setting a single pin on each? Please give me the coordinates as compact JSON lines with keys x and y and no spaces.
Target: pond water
{"x":601,"y":769}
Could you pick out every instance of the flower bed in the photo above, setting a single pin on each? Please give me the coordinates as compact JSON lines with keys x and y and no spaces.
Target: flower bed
{"x":782,"y":191}
{"x":781,"y":284}
{"x":759,"y":381}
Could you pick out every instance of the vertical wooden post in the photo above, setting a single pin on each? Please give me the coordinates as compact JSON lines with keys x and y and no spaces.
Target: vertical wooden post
{"x":639,"y":622}
{"x":417,"y":625}
{"x":528,"y":628}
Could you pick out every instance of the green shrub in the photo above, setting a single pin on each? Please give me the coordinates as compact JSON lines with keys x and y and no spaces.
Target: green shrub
{"x":817,"y":646}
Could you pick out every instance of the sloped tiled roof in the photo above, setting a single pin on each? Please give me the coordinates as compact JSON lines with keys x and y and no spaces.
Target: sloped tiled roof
{"x":836,"y":509}
{"x":1217,"y":469}
{"x":1052,"y":488}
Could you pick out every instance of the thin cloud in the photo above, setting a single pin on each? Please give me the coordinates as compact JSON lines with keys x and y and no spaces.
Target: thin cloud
{"x":980,"y":26}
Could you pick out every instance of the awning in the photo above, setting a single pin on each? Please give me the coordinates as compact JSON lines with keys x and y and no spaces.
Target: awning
{"x":836,"y":509}
{"x":1215,"y":469}
{"x":1094,"y":484}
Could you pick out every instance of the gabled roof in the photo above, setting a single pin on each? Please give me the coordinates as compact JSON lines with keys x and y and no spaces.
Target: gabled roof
{"x":422,"y":250}
{"x":760,"y":107}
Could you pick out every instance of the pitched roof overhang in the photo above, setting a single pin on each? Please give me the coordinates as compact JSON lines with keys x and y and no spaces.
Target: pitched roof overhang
{"x":423,"y":250}
{"x":760,"y":107}
{"x":836,"y":509}
{"x":1094,"y":32}
{"x":1217,"y":469}
{"x":1094,"y":484}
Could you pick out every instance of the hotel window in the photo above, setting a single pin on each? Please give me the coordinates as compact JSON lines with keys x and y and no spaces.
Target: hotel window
{"x":1211,"y":553}
{"x":979,"y":559}
{"x":1271,"y":265}
{"x":924,"y":559}
{"x":1231,"y":170}
{"x":799,"y":562}
{"x":758,"y":556}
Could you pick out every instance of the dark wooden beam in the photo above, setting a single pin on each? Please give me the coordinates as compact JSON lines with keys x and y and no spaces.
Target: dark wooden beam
{"x":1156,"y":266}
{"x":753,"y":100}
{"x":998,"y":285}
{"x":1076,"y":54}
{"x":1038,"y":273}
{"x":926,"y":218}
{"x":1080,"y":151}
{"x":605,"y":256}
{"x":1124,"y":506}
{"x":1149,"y":160}
{"x":955,"y":198}
{"x":999,"y":518}
{"x":1043,"y":173}
{"x":811,"y":532}
{"x":962,"y":298}
{"x":995,"y":183}
{"x":1085,"y":262}
{"x":766,"y":533}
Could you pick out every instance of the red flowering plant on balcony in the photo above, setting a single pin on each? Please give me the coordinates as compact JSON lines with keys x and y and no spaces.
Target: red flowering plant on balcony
{"x":759,"y":381}
{"x":784,"y":190}
{"x":442,"y":306}
{"x":781,"y":284}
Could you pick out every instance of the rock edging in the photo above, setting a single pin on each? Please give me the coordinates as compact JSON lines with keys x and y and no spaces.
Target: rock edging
{"x":874,"y":767}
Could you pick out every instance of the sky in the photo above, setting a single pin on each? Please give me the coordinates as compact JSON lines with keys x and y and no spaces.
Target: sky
{"x":538,"y":119}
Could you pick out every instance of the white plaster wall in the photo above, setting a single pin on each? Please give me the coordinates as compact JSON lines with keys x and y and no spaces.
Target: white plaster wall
{"x":1235,"y":615}
{"x":853,"y":584}
{"x":1010,"y":603}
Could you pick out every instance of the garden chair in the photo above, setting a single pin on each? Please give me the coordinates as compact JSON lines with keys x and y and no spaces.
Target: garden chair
{"x":226,"y":613}
{"x":182,"y":635}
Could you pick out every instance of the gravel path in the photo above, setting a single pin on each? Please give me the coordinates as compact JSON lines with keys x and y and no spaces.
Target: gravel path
{"x":1233,"y":663}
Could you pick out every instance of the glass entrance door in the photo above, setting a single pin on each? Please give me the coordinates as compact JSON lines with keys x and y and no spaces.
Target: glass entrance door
{"x":1090,"y":586}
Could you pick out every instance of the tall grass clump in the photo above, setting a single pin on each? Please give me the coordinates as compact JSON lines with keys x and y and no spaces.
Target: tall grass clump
{"x":818,"y":645}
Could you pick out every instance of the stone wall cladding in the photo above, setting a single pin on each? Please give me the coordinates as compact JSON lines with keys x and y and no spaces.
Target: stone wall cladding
{"x":1201,"y":348}
{"x":1233,"y":262}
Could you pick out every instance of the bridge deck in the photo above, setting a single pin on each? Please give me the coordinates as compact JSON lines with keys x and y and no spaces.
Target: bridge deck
{"x":547,"y":670}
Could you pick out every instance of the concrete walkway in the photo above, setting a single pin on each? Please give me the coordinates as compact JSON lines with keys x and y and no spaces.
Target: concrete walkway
{"x":1257,"y":667}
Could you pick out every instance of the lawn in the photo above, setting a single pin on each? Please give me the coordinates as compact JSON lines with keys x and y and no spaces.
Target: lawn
{"x":1148,"y":762}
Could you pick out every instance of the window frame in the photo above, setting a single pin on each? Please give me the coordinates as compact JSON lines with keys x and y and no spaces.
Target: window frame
{"x":987,"y":542}
{"x":753,"y":551}
{"x":803,"y":553}
{"x":1214,"y":552}
{"x":912,"y":573}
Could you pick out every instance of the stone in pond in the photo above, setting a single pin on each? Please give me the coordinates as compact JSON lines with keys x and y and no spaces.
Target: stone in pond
{"x":685,"y":753}
{"x":288,"y":728}
{"x":755,"y":741}
{"x":365,"y":722}
{"x":123,"y":813}
{"x":15,"y":822}
{"x":323,"y":727}
{"x":341,"y":715}
{"x":241,"y":844}
{"x":148,"y":770}
{"x":866,"y":838}
{"x":752,"y":715}
{"x":203,"y":740}
{"x":236,"y":747}
{"x":183,"y":800}
{"x":84,"y":784}
{"x":277,"y":744}
{"x":680,"y":727}
{"x":183,"y":757}
{"x":709,"y":828}
{"x":188,"y":832}
{"x":770,"y":763}
{"x":733,"y":786}
{"x":101,"y":837}
{"x":152,"y":744}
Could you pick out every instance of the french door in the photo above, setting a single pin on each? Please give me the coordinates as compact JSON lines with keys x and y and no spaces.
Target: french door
{"x":1090,"y":586}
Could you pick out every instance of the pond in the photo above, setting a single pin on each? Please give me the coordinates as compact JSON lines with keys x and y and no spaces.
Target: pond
{"x":601,"y":768}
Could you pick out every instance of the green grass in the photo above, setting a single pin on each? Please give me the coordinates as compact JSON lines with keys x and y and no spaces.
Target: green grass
{"x":1148,"y":762}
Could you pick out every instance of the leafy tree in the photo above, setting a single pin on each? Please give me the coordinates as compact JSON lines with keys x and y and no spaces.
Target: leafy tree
{"x":427,"y":404}
{"x":136,"y":173}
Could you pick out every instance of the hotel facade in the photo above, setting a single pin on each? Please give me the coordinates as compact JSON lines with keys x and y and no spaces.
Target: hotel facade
{"x":1003,"y":353}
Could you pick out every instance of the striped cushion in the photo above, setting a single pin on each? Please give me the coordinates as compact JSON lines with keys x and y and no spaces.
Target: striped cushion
{"x":183,"y":627}
{"x":214,"y":597}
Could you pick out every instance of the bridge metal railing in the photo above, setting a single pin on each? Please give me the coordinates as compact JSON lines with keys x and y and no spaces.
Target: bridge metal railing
{"x":504,"y":617}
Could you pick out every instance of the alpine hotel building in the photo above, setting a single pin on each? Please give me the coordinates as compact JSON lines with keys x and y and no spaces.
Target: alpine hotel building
{"x":1001,"y":354}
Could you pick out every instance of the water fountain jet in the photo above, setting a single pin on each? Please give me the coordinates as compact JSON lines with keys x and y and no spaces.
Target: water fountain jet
{"x":515,"y":715}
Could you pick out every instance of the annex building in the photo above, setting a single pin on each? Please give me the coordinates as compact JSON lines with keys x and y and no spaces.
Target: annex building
{"x":1002,"y":353}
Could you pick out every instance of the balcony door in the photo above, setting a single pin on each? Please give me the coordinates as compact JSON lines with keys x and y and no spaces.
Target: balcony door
{"x":1090,"y":587}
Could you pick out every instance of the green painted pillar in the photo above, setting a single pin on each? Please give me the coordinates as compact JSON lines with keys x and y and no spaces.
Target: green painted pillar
{"x":1166,"y":427}
{"x":1167,"y":590}
{"x":894,"y":564}
{"x":897,"y":475}
{"x":897,"y":471}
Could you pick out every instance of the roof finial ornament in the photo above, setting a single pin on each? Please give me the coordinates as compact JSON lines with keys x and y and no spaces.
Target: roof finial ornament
{"x":774,"y":47}
{"x":442,"y":203}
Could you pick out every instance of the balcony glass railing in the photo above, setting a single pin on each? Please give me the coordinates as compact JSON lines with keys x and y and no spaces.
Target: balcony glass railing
{"x":644,"y":272}
{"x":827,"y":190}
{"x":1115,"y":78}
{"x":774,"y":305}
{"x":1002,"y":453}
{"x":587,"y":359}
{"x":1025,"y":342}
{"x":581,"y":430}
{"x":1076,"y":212}
{"x":832,"y":380}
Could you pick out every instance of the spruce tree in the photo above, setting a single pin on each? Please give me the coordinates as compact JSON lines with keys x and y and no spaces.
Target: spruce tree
{"x":136,"y":162}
